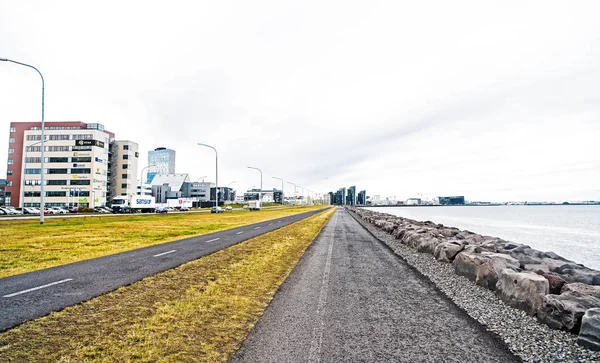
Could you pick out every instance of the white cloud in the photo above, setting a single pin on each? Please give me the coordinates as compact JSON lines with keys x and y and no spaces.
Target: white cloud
{"x":493,"y":100}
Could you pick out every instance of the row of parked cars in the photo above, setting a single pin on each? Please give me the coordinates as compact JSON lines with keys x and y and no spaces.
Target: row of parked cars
{"x":48,"y":210}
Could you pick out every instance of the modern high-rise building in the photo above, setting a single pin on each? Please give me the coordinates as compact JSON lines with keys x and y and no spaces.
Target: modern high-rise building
{"x":164,"y":161}
{"x":361,"y":199}
{"x":351,"y":197}
{"x":75,"y":164}
{"x":124,"y":156}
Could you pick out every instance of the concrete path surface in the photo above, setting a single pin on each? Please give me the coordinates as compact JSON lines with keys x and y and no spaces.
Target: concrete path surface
{"x":350,"y":299}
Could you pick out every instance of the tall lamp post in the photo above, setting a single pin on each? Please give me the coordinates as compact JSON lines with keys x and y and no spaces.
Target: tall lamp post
{"x":281,"y":188}
{"x":142,"y":176}
{"x":216,"y":173}
{"x":294,"y":192}
{"x":25,"y":168}
{"x":261,"y":186}
{"x":43,"y":137}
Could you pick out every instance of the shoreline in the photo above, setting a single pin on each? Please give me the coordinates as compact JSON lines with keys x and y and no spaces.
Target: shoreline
{"x":522,"y":332}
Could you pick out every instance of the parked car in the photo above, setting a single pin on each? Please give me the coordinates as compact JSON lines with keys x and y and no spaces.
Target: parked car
{"x":3,"y":211}
{"x":161,"y":210}
{"x":74,"y":210}
{"x":228,"y":208}
{"x":184,"y":209}
{"x":216,"y":210}
{"x":28,"y":210}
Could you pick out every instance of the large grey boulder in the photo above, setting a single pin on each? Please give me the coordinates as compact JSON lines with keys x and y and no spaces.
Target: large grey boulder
{"x":446,"y":251}
{"x":428,"y":244}
{"x":522,"y":290}
{"x":483,"y":267}
{"x":573,"y":272}
{"x":491,"y":269}
{"x":466,"y":264}
{"x":589,"y":334}
{"x":581,"y":289}
{"x":565,"y":311}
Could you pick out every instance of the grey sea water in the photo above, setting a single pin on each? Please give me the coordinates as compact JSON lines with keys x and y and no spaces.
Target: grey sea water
{"x":572,"y":231}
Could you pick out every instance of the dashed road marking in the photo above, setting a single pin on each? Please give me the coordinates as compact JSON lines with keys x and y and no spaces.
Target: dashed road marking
{"x":240,"y":232}
{"x":257,"y":228}
{"x":37,"y":288}
{"x":212,"y":240}
{"x":164,"y":253}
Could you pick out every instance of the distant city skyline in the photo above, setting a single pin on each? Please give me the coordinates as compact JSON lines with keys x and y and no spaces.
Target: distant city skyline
{"x":494,"y":101}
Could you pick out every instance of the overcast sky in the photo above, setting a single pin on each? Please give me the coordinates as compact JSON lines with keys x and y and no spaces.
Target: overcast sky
{"x":491,"y":100}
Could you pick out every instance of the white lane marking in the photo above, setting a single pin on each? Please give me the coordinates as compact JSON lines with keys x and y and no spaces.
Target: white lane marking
{"x":240,"y":232}
{"x":212,"y":240}
{"x":257,"y":228}
{"x":37,"y":288}
{"x":270,"y":224}
{"x":314,"y":354}
{"x":164,"y":253}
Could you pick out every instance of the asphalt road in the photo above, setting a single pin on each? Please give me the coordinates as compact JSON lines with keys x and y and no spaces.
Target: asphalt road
{"x":32,"y":295}
{"x":350,"y":299}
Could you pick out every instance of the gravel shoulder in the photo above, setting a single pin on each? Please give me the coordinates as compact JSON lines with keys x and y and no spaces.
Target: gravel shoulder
{"x":528,"y":339}
{"x":352,"y":299}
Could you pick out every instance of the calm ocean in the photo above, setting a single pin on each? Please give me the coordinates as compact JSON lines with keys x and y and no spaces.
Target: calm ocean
{"x":572,"y":231}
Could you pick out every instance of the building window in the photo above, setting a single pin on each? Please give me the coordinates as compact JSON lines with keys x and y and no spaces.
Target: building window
{"x":58,"y":148}
{"x":11,"y":140}
{"x":58,"y":137}
{"x":124,"y":166}
{"x":35,"y":149}
{"x":56,"y":194}
{"x":33,"y":137}
{"x":124,"y":185}
{"x":33,"y":160}
{"x":9,"y":172}
{"x":125,"y":147}
{"x":11,"y":161}
{"x":124,"y":176}
{"x":83,"y":137}
{"x":33,"y":171}
{"x":9,"y":183}
{"x":81,"y":171}
{"x":57,"y":171}
{"x":56,"y":182}
{"x":80,"y":182}
{"x":11,"y":151}
{"x":12,"y":129}
{"x":56,"y":160}
{"x":81,"y":160}
{"x":125,"y":157}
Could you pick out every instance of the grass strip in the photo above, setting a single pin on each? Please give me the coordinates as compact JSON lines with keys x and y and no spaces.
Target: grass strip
{"x":198,"y":312}
{"x":26,"y":246}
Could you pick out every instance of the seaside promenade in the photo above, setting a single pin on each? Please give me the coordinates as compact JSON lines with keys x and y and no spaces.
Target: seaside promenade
{"x":351,"y":299}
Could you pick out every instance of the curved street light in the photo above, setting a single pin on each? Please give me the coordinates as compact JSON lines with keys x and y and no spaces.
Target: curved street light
{"x":261,"y":185}
{"x":281,"y":188}
{"x":202,"y":177}
{"x":43,"y":137}
{"x":216,"y":173}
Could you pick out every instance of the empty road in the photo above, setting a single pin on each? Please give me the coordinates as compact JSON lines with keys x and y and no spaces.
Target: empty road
{"x":31,"y":295}
{"x":350,"y":299}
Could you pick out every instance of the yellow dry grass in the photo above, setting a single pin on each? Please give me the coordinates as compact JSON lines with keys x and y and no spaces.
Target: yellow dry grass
{"x":198,"y":312}
{"x":25,"y":245}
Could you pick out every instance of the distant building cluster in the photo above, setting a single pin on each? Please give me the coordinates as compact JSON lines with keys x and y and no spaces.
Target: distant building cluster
{"x":348,"y":197}
{"x":85,"y":165}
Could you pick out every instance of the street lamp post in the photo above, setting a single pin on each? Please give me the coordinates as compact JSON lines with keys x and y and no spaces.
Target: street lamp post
{"x":142,"y":176}
{"x":281,"y":188}
{"x":43,"y":137}
{"x":294,"y":191}
{"x":261,"y":185}
{"x":216,"y":173}
{"x":202,"y":177}
{"x":25,"y":168}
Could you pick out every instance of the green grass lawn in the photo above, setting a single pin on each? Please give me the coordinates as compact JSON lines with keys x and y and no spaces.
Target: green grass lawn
{"x":25,"y":245}
{"x":199,"y":312}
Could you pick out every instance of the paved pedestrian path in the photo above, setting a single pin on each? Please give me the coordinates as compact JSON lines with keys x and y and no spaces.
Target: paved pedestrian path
{"x":350,"y":299}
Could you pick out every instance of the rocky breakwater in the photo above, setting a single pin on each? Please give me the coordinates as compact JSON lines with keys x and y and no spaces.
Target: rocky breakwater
{"x":560,"y":293}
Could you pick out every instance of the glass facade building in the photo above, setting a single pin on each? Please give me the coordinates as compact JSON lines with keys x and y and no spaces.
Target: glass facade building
{"x":164,"y":159}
